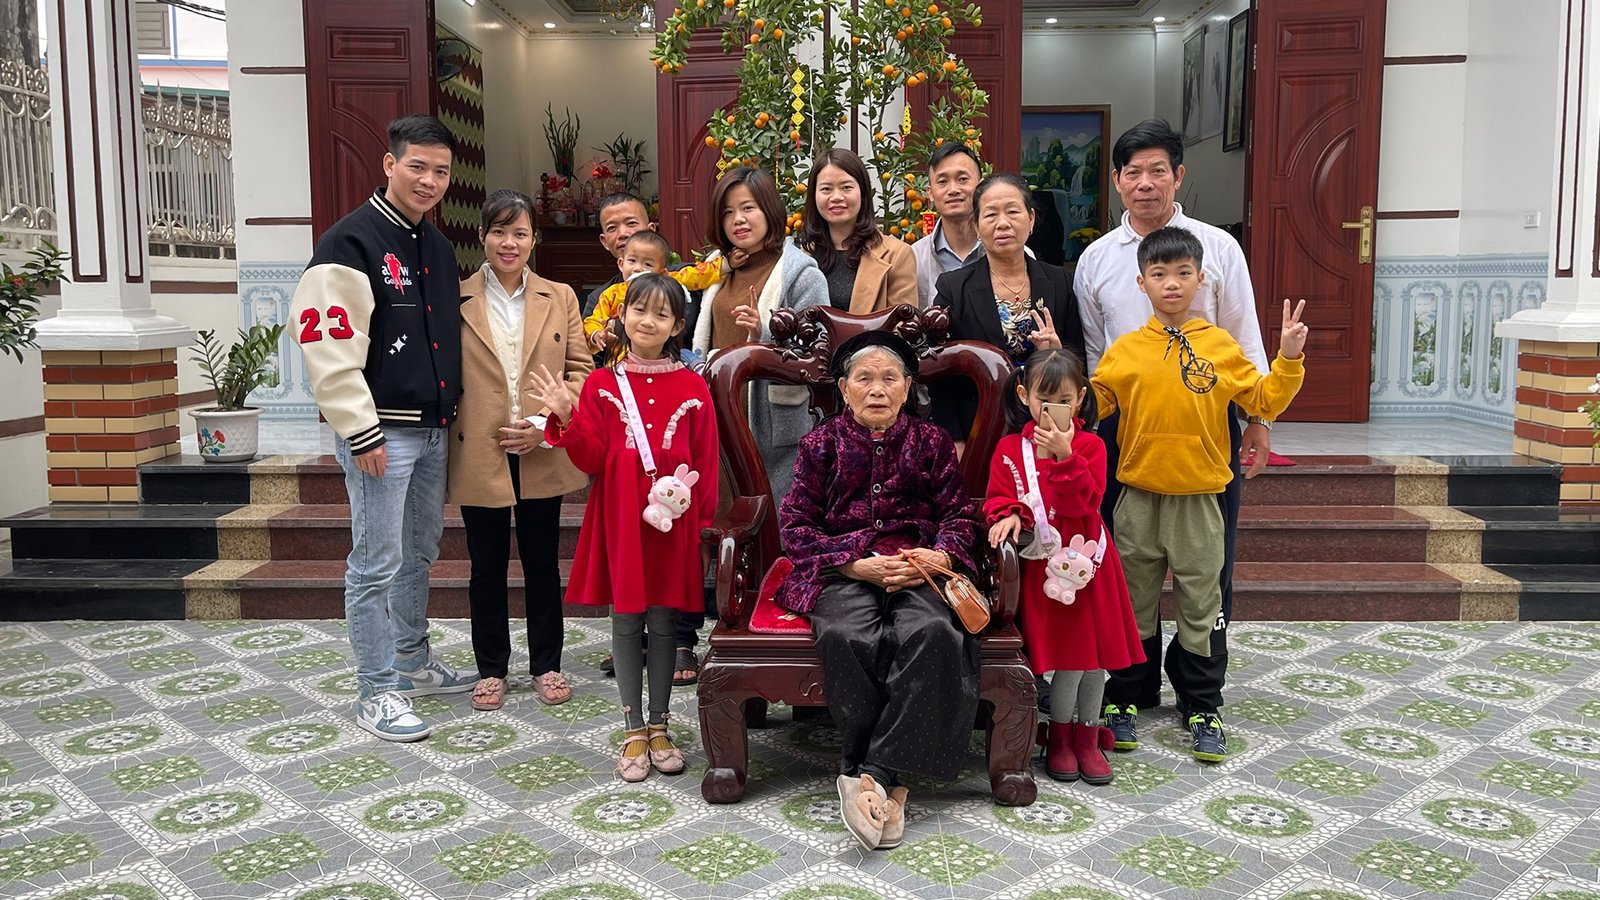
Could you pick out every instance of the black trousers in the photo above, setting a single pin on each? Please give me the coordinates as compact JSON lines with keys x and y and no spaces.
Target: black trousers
{"x":900,"y":676}
{"x":1196,"y":680}
{"x":538,"y":546}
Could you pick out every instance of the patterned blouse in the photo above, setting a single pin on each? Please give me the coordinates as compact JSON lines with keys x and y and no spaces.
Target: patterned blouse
{"x":856,"y":492}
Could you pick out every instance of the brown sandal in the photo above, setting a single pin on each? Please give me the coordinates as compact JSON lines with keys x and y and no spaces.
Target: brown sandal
{"x":634,"y":768}
{"x":489,"y":694}
{"x":664,"y":755}
{"x":552,"y":689}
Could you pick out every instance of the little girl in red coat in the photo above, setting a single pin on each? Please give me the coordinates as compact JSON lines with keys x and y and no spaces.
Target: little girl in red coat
{"x":645,"y":430}
{"x":1077,"y":618}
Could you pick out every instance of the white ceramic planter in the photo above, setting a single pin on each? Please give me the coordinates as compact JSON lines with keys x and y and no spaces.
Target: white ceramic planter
{"x":227,"y":435}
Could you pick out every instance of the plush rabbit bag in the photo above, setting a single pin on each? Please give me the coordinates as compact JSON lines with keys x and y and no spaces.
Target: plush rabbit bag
{"x":1068,"y":568}
{"x":669,"y":494}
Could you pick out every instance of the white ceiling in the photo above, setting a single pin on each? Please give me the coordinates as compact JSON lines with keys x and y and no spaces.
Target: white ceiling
{"x":584,"y":17}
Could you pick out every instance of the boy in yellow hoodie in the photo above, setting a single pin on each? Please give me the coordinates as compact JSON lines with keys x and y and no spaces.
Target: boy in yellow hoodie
{"x":645,"y":251}
{"x":1173,"y":380}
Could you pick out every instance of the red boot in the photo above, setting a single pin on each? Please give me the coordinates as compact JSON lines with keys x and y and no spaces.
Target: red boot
{"x":1089,"y":743}
{"x":1059,"y":760}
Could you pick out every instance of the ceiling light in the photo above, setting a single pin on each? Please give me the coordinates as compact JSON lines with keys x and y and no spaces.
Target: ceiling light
{"x":1050,"y":21}
{"x":549,"y":24}
{"x":1159,"y":19}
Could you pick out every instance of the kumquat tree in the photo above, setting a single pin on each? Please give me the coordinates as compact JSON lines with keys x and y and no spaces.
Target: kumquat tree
{"x":798,"y":91}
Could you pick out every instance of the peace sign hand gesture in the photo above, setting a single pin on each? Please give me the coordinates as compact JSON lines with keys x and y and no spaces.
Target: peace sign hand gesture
{"x":1044,"y":335}
{"x":550,"y":391}
{"x":1295,"y":331}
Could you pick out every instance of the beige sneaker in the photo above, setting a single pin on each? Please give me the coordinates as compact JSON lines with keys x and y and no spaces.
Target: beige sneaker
{"x":864,"y":807}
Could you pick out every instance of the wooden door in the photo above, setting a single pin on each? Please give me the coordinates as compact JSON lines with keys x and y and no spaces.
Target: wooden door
{"x":993,"y":52}
{"x":1313,"y":168}
{"x":362,"y":70}
{"x":684,"y":104}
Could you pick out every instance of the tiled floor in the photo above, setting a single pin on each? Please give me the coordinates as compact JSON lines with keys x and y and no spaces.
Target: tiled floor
{"x":1379,"y":437}
{"x":192,"y":760}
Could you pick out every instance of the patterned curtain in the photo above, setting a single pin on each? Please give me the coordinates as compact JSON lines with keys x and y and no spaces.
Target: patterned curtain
{"x":461,"y":110}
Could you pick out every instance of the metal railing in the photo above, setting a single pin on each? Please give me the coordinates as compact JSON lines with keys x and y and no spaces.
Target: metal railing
{"x":188,"y":144}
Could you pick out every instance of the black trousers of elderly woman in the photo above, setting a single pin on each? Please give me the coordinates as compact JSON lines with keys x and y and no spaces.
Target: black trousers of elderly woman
{"x":900,"y":676}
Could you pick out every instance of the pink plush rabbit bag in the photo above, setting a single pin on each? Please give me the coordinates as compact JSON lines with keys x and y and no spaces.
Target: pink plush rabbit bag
{"x":1068,"y":568}
{"x":669,"y":494}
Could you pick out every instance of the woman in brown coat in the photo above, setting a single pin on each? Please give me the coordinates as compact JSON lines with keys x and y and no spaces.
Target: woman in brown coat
{"x":513,"y":323}
{"x":866,"y":270}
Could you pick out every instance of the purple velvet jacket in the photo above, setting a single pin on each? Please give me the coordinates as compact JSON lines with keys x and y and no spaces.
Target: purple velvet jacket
{"x":854,"y":494}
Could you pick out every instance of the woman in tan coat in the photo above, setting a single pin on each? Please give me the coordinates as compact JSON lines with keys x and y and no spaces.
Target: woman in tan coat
{"x":866,"y":270}
{"x":512,"y":323}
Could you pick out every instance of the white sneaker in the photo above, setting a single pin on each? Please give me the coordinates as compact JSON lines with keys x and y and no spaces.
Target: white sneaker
{"x":388,"y":715}
{"x":432,"y":676}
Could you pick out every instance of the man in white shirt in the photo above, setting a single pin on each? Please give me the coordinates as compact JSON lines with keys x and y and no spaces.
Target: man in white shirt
{"x":953,"y":176}
{"x":1147,"y":170}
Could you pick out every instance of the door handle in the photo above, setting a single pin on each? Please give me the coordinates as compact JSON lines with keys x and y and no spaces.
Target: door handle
{"x":1364,"y":245}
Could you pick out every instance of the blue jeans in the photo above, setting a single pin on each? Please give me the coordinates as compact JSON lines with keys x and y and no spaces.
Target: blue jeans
{"x":395,"y":523}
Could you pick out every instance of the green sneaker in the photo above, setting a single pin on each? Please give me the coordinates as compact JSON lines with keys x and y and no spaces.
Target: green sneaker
{"x":1124,"y":724}
{"x":1210,"y":741}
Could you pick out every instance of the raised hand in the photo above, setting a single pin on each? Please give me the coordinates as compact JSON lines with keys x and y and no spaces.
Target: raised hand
{"x":745,"y":316}
{"x":1295,"y":331}
{"x":1044,"y":335}
{"x":1051,"y":441}
{"x":552,"y":392}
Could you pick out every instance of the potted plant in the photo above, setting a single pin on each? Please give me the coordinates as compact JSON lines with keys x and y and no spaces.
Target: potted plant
{"x":230,"y":431}
{"x":628,"y":156}
{"x":563,"y":139}
{"x":19,"y":298}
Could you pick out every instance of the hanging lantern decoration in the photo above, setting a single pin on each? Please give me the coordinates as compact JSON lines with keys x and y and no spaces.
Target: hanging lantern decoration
{"x":905,"y":122}
{"x":797,"y":105}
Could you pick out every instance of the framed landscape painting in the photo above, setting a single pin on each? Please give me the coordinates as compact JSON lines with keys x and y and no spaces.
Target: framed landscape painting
{"x":1233,"y":124}
{"x":1066,"y":158}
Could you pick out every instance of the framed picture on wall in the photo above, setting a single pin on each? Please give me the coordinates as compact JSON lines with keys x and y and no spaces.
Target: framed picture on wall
{"x":1066,"y":157}
{"x":1194,"y":51}
{"x":1233,"y":123}
{"x":1213,"y":79}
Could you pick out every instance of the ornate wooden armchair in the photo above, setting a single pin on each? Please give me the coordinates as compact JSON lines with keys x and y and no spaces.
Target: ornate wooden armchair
{"x":744,"y":669}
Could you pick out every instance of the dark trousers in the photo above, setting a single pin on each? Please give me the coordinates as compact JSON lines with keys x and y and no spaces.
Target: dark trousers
{"x":538,"y":546}
{"x":900,"y":677}
{"x":1196,"y":680}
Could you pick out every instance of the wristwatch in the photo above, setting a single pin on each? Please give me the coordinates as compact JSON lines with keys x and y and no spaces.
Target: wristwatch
{"x":1257,"y":420}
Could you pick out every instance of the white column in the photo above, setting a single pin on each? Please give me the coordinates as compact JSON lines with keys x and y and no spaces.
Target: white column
{"x":1571,"y":311}
{"x":97,"y":138}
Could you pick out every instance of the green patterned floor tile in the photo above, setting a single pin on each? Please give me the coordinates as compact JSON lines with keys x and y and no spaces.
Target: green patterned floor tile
{"x":75,"y":711}
{"x":18,"y":660}
{"x":6,"y":767}
{"x":1051,"y":815}
{"x":1443,"y":712}
{"x":1534,"y":663}
{"x":1565,"y":641}
{"x":1419,"y":641}
{"x":945,"y":859}
{"x":593,"y":658}
{"x":1590,"y":710}
{"x":148,"y":776}
{"x":1465,"y":627}
{"x":464,"y":660}
{"x":433,"y":707}
{"x":292,"y":739}
{"x":581,"y":708}
{"x":472,"y":737}
{"x":269,"y":856}
{"x":1133,"y":776}
{"x":492,"y":857}
{"x":718,"y":858}
{"x":1267,"y":712}
{"x":306,"y":660}
{"x":542,"y":772}
{"x":1539,"y":780}
{"x":1477,"y":818}
{"x":236,"y":711}
{"x":202,"y":813}
{"x":1390,"y":743}
{"x":1416,"y":865}
{"x":1573,"y":743}
{"x":1256,"y":815}
{"x":45,"y":856}
{"x":1330,"y":778}
{"x":350,"y":772}
{"x":1178,"y":862}
{"x":162,"y":661}
{"x":1379,"y":663}
{"x":1075,"y":892}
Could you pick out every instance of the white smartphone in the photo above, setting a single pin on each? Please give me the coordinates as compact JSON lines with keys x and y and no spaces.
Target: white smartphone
{"x":1060,"y":414}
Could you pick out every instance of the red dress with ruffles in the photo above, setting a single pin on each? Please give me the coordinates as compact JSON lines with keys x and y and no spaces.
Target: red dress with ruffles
{"x":621,"y":561}
{"x":1098,"y":630}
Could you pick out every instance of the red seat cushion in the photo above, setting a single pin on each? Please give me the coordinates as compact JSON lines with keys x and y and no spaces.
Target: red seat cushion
{"x":770,"y":618}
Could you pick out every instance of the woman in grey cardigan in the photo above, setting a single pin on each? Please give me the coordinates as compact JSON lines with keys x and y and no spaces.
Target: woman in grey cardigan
{"x":763,"y":271}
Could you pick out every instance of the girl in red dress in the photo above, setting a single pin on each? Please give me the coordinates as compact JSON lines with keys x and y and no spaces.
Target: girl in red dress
{"x":1077,"y":618}
{"x":639,"y":549}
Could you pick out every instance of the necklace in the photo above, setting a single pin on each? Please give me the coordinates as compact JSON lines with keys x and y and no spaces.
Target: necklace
{"x":1015,"y":294}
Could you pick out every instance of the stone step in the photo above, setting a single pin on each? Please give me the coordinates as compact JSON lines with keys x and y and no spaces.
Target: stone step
{"x":322,"y":531}
{"x":116,"y":531}
{"x":1502,"y":481}
{"x":1538,"y":535}
{"x":47,"y":590}
{"x":289,"y":479}
{"x":1269,"y":533}
{"x":1568,"y":592}
{"x":314,"y":589}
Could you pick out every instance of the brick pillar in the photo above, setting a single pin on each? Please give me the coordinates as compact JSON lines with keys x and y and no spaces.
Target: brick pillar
{"x":1556,"y":359}
{"x":105,"y":413}
{"x":1552,"y":382}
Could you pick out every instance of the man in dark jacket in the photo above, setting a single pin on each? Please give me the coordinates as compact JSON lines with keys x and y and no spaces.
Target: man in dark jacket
{"x":378,"y":314}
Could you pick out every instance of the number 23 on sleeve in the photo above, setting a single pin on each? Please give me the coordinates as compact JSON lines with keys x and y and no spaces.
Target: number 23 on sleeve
{"x":341,"y":330}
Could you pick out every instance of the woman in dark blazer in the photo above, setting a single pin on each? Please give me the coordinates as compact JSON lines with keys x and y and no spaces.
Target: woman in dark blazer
{"x":1005,"y":298}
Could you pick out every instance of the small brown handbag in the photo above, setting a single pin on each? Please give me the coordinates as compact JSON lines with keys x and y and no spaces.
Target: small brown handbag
{"x":963,"y":597}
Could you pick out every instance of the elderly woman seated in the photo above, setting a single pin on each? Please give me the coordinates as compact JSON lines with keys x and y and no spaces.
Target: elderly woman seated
{"x":872,"y":487}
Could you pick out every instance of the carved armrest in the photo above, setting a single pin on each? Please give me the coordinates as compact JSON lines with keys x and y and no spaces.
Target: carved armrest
{"x":1008,"y":581}
{"x":733,"y":537}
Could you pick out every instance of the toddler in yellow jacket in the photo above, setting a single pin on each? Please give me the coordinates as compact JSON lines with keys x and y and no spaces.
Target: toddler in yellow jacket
{"x":1172,"y":380}
{"x":645,"y":251}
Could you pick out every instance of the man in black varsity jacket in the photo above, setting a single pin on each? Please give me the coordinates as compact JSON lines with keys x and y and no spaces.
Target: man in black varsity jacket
{"x":378,"y":314}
